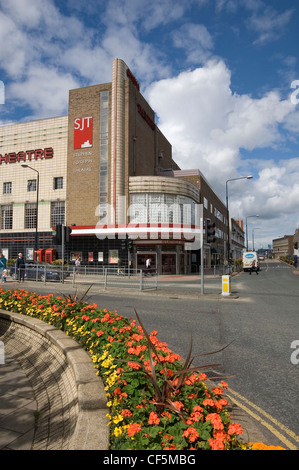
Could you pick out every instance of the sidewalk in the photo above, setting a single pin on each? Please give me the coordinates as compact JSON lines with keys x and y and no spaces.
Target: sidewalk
{"x":17,"y":407}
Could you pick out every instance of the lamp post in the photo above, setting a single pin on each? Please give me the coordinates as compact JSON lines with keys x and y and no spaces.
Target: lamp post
{"x":256,"y":228}
{"x":37,"y":191}
{"x":227,"y":212}
{"x":247,"y":230}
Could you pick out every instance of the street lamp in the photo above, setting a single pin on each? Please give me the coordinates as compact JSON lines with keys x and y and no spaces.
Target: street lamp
{"x":227,"y":214}
{"x":247,"y":230}
{"x":37,"y":191}
{"x":256,"y":228}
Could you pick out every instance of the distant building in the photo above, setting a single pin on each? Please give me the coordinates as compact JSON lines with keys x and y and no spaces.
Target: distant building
{"x":283,"y":246}
{"x":237,"y":242}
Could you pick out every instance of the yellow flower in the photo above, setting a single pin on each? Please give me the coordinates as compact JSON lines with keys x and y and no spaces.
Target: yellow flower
{"x":117,"y":419}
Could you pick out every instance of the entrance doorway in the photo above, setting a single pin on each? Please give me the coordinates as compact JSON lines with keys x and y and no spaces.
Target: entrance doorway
{"x":141,"y":259}
{"x":168,"y":263}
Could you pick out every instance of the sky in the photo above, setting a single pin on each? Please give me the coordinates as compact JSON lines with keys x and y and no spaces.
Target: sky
{"x":221,"y":75}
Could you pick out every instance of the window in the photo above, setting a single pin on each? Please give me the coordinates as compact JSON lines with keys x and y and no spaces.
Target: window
{"x":7,"y":188}
{"x":31,"y":185}
{"x":6,"y":217}
{"x":58,"y":183}
{"x":57,"y":213}
{"x":30,"y":215}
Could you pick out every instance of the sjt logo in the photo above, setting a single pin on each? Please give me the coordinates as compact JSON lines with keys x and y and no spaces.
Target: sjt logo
{"x":83,"y":132}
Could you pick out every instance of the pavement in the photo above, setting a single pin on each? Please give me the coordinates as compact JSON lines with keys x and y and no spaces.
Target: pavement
{"x":19,"y":407}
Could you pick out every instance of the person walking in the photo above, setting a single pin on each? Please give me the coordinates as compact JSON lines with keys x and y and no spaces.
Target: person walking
{"x":2,"y":264}
{"x":148,"y":264}
{"x":20,"y":265}
{"x":253,"y":267}
{"x":77,"y":264}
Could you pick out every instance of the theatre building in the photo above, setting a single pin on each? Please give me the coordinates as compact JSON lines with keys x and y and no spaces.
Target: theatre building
{"x":106,"y":171}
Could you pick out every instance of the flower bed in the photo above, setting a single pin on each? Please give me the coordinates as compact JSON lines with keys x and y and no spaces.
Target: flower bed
{"x":155,"y":402}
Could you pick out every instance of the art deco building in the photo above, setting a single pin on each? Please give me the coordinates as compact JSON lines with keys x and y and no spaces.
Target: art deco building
{"x":106,"y":171}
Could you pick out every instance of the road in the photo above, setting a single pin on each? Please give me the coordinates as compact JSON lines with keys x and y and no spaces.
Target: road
{"x":257,"y":323}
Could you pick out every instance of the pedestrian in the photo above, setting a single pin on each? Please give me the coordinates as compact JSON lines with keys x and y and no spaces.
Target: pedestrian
{"x":295,"y":261}
{"x":77,"y":264}
{"x":253,"y":268}
{"x":148,"y":264}
{"x":2,"y":264}
{"x":4,"y":275}
{"x":20,"y":265}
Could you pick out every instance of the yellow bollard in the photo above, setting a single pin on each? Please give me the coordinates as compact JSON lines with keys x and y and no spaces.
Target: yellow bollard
{"x":226,"y":285}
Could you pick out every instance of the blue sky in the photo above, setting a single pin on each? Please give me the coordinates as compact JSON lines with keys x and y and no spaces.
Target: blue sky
{"x":218,"y":74}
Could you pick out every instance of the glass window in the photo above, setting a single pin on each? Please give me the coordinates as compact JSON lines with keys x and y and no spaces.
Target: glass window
{"x":30,"y":215}
{"x":7,"y":187}
{"x":58,"y":183}
{"x":31,"y":185}
{"x":57,"y":213}
{"x":6,"y":217}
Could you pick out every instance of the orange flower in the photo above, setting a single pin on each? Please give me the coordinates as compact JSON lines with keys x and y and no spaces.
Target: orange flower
{"x":134,"y":365}
{"x":202,"y":376}
{"x":235,"y":428}
{"x":215,"y":420}
{"x":261,"y":446}
{"x":217,"y":390}
{"x":133,"y":429}
{"x":208,"y":402}
{"x":153,"y":418}
{"x":191,"y":434}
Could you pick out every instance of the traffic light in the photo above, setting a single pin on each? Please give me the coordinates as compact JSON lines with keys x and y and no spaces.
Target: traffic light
{"x":57,"y":238}
{"x":130,"y":244}
{"x":123,"y":244}
{"x":210,"y":231}
{"x":67,"y":232}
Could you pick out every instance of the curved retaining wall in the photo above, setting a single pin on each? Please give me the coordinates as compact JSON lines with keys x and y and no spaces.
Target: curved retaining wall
{"x":71,"y":400}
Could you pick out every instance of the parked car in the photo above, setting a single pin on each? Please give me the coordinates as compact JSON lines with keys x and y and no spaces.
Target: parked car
{"x":39,"y":271}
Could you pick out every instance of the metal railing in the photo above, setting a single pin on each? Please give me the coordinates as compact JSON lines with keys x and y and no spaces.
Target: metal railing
{"x":115,"y":277}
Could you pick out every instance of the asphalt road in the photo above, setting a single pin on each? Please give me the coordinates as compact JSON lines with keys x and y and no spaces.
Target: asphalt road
{"x":257,"y":323}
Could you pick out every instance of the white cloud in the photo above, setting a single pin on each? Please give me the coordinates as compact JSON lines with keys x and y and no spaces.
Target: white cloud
{"x":209,"y":126}
{"x":269,"y":25}
{"x":196,"y":40}
{"x":52,"y":96}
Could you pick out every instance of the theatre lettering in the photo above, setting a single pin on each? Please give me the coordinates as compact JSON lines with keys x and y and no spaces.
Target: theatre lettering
{"x":27,"y":155}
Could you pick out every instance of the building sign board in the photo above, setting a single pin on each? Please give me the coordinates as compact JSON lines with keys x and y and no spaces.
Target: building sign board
{"x":83,"y":132}
{"x":27,"y":155}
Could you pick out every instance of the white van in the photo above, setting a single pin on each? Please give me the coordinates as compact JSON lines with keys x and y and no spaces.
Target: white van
{"x":248,"y":258}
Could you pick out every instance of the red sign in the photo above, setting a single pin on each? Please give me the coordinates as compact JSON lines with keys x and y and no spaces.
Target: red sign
{"x":146,"y":117}
{"x":132,"y":78}
{"x":83,"y":132}
{"x":22,"y":156}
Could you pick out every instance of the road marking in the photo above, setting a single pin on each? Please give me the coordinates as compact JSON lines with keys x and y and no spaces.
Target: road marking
{"x":276,"y":433}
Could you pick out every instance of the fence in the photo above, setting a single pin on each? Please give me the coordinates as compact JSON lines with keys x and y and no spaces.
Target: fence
{"x":106,"y":277}
{"x":115,"y":277}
